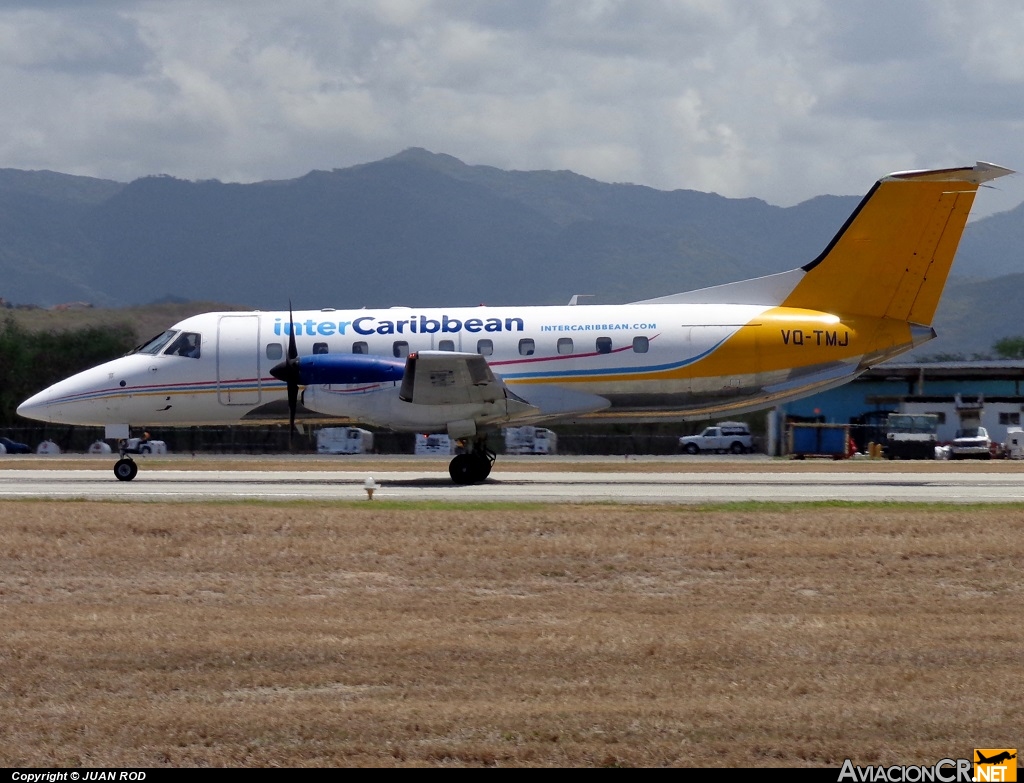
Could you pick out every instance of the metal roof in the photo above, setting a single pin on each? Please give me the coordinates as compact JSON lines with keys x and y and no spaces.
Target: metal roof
{"x":1003,"y":369}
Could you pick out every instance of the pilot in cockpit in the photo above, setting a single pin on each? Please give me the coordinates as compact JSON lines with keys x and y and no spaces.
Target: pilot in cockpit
{"x":186,"y":345}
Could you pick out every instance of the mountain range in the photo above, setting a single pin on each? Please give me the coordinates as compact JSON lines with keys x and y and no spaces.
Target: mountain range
{"x":425,"y":229}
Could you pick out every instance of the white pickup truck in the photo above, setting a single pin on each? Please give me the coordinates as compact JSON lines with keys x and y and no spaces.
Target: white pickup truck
{"x":731,"y":436}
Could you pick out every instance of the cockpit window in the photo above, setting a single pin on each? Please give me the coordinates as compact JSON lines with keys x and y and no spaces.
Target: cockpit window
{"x":154,"y":345}
{"x":187,"y":344}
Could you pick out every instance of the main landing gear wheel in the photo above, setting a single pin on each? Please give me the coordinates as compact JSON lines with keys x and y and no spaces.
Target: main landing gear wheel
{"x":471,"y":468}
{"x":462,"y":469}
{"x":125,"y":469}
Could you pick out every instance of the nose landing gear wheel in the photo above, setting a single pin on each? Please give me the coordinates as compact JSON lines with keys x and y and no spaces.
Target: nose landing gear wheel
{"x":125,"y":469}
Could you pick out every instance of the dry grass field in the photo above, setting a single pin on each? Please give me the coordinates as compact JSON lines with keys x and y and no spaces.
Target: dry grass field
{"x":412,"y":635}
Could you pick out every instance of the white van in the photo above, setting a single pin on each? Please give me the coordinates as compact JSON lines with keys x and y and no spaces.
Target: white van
{"x":344,"y":440}
{"x":1013,"y":446}
{"x":434,"y":444}
{"x":530,"y":440}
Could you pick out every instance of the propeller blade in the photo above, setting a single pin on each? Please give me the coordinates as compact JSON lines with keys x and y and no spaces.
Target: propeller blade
{"x":293,"y":376}
{"x":288,"y":372}
{"x":293,"y":351}
{"x":293,"y":401}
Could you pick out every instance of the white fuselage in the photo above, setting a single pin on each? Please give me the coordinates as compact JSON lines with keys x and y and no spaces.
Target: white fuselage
{"x":641,"y":362}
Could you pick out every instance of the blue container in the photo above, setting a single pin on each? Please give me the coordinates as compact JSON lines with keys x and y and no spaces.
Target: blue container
{"x":826,"y":440}
{"x":805,"y":439}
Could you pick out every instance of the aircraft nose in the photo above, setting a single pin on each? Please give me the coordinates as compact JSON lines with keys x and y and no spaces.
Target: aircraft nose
{"x":36,"y":407}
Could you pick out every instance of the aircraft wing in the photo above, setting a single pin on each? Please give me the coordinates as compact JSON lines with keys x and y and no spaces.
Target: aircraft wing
{"x":449,"y":378}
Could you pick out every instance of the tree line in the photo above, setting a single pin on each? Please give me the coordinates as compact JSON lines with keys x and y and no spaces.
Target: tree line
{"x":31,"y":361}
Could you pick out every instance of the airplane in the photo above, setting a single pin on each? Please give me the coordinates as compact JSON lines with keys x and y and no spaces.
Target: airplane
{"x":724,"y":350}
{"x":996,"y":759}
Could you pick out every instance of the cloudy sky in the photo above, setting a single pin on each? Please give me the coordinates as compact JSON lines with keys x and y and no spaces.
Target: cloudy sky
{"x":782,"y":100}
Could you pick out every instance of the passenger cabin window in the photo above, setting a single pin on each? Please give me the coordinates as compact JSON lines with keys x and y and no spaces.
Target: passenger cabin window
{"x":187,"y":344}
{"x":274,"y":351}
{"x":360,"y":347}
{"x":527,"y":347}
{"x":484,"y":347}
{"x":446,"y":345}
{"x":604,"y":344}
{"x":400,"y":348}
{"x":564,"y":345}
{"x":641,"y":344}
{"x":319,"y":347}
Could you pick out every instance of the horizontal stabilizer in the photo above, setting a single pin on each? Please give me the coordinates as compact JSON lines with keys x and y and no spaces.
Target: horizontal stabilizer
{"x":830,"y":375}
{"x":552,"y":400}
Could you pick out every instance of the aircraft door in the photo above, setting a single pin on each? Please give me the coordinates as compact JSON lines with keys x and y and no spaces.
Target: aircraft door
{"x":238,"y":360}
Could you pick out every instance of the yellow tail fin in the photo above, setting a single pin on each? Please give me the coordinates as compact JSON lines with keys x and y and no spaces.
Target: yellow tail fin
{"x":892,"y":257}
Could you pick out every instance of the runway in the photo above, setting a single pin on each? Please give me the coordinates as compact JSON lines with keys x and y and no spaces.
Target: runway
{"x":762,"y":482}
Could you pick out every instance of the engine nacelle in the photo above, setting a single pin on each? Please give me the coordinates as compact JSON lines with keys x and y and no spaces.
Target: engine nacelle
{"x":348,"y":368}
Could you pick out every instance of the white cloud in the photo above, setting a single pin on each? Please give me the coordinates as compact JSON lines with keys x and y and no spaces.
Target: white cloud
{"x":782,"y":101}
